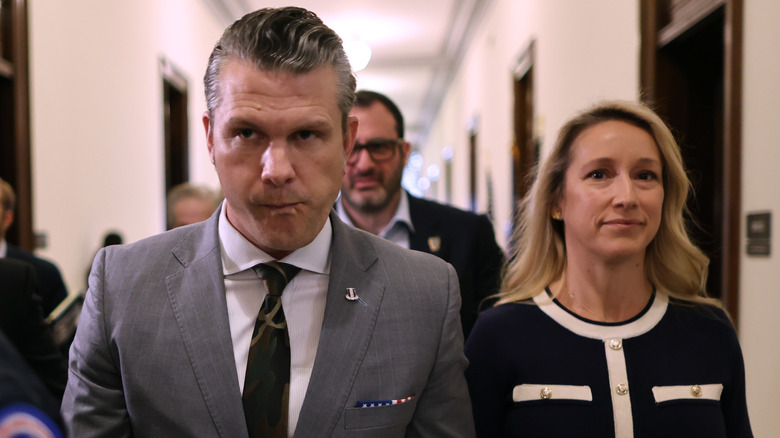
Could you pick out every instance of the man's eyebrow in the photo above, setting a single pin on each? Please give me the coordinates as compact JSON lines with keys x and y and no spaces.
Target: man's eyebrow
{"x":315,"y":125}
{"x":234,"y":120}
{"x":382,"y":140}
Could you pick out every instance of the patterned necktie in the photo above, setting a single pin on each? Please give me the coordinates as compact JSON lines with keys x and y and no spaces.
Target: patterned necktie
{"x":267,"y":383}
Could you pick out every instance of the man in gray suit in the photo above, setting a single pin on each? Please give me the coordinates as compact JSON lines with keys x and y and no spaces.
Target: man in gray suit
{"x":375,"y":343}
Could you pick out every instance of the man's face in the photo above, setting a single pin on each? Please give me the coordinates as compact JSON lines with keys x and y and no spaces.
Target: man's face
{"x":277,"y":144}
{"x":370,"y":186}
{"x":190,"y":210}
{"x":6,"y":219}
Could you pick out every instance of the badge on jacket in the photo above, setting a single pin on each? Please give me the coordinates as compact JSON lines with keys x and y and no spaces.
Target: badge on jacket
{"x":434,"y":243}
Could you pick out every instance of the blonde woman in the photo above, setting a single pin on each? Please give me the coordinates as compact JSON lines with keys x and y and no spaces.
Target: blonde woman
{"x":603,"y":327}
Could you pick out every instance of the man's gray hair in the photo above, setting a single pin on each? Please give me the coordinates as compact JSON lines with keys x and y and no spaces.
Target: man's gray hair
{"x":289,"y":39}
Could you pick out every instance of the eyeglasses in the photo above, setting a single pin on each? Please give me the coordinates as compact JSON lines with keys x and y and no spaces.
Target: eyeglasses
{"x":379,"y":149}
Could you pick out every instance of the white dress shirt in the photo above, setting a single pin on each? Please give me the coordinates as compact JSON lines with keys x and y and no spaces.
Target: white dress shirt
{"x":398,"y":230}
{"x":303,"y":301}
{"x":3,"y":248}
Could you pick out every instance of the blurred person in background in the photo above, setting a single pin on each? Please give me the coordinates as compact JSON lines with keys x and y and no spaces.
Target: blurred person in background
{"x":51,"y":288}
{"x":189,"y":203}
{"x":22,"y":322}
{"x":27,"y":409}
{"x":373,"y":200}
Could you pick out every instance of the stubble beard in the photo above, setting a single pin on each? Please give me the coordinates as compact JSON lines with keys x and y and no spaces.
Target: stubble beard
{"x":379,"y":200}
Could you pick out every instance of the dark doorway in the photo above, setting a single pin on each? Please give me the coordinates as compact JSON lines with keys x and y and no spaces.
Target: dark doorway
{"x":15,"y":118}
{"x":525,"y":147}
{"x":689,"y":69}
{"x":175,"y":126}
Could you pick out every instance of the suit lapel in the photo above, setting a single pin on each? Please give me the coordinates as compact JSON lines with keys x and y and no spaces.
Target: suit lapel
{"x":346,"y":330}
{"x":197,"y":297}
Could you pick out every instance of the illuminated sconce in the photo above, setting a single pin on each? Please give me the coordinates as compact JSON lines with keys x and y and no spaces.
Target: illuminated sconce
{"x":359,"y":53}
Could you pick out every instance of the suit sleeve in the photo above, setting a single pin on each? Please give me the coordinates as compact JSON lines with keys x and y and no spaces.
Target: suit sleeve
{"x":94,"y":403}
{"x":33,"y":338}
{"x":734,"y":400}
{"x":444,"y":408}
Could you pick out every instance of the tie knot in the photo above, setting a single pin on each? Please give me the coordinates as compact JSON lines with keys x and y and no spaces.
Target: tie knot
{"x":276,"y":275}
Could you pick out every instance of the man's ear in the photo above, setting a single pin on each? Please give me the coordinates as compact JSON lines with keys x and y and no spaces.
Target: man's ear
{"x":209,"y":135}
{"x":406,"y":149}
{"x":350,"y":135}
{"x":6,"y":220}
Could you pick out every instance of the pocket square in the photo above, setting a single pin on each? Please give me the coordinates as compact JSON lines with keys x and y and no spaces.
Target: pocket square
{"x":376,"y":403}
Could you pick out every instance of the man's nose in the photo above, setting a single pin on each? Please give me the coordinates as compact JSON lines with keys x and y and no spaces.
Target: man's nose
{"x":277,"y":166}
{"x":361,"y":159}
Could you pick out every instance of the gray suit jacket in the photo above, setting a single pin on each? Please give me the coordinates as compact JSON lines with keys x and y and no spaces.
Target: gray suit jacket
{"x":153,"y":354}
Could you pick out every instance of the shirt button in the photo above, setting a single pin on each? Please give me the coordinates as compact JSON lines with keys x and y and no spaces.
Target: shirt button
{"x":615,"y":344}
{"x":621,"y":389}
{"x":696,"y":390}
{"x":545,"y":393}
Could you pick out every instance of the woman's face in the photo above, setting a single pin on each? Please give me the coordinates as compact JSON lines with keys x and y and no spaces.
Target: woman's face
{"x":613,"y":195}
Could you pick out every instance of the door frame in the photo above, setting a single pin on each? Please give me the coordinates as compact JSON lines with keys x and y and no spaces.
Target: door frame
{"x":15,"y":161}
{"x":653,"y":39}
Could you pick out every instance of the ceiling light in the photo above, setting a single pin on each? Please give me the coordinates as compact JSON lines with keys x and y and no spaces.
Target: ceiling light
{"x":358,"y":53}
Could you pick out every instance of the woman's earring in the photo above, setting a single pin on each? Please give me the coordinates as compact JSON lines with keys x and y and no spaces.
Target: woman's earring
{"x":557,"y":215}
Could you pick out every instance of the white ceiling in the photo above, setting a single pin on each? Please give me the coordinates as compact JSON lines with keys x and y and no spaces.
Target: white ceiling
{"x":416,"y":45}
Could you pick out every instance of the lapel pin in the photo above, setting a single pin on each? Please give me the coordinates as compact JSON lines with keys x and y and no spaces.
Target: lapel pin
{"x":353,"y":296}
{"x":434,"y":243}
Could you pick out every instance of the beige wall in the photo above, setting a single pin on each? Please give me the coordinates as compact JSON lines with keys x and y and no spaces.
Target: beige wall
{"x":96,"y":110}
{"x":760,"y":277}
{"x":577,"y":62}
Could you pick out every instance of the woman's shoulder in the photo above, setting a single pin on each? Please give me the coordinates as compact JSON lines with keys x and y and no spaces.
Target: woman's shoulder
{"x":510,"y":309}
{"x":512,"y":316}
{"x":701,"y":314}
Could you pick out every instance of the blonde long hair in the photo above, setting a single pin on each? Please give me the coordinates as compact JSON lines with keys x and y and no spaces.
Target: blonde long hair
{"x":672,"y":262}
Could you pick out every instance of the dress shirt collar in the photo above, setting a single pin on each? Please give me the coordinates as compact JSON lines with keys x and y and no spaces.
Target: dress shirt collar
{"x":239,"y":254}
{"x":3,"y":248}
{"x":401,"y":216}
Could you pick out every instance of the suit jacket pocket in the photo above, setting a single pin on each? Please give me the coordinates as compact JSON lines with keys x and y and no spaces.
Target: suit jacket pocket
{"x":380,"y":417}
{"x":535,"y":392}
{"x":682,"y":393}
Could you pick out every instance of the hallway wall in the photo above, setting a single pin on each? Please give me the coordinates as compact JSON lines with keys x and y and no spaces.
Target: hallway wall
{"x":96,"y":115}
{"x":572,"y":55}
{"x":760,"y":276}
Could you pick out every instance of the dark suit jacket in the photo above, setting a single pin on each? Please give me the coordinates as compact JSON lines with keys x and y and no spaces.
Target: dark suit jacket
{"x":22,"y":322}
{"x":466,"y":241}
{"x":153,"y":354}
{"x":51,"y":288}
{"x":21,"y":389}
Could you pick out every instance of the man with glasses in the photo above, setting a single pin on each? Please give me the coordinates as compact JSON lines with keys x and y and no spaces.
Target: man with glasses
{"x":372,"y":199}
